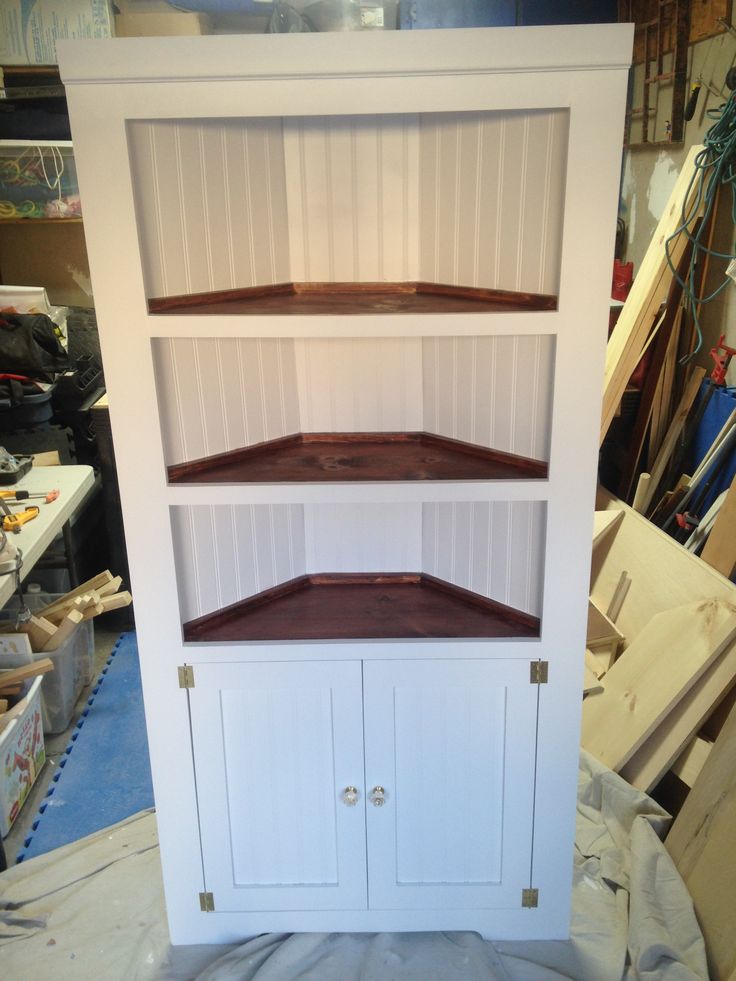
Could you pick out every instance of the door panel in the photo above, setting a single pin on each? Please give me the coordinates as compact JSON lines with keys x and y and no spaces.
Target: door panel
{"x":453,"y":745}
{"x":274,"y":747}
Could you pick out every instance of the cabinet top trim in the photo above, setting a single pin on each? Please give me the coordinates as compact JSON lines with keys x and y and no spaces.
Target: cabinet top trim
{"x":352,"y":54}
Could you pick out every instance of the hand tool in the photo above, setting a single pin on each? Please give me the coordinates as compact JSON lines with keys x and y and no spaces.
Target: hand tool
{"x":24,"y":495}
{"x":13,"y":522}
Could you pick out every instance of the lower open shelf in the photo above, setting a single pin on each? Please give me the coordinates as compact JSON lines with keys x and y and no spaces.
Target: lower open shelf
{"x":358,"y":456}
{"x":334,"y":606}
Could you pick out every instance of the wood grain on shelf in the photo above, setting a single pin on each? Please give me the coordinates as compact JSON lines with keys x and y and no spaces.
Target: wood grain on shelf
{"x":332,"y":606}
{"x":351,"y":298}
{"x":358,"y":456}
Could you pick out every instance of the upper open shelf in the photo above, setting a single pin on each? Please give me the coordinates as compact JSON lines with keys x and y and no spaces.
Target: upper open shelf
{"x":333,"y":457}
{"x":352,"y":298}
{"x":448,"y":212}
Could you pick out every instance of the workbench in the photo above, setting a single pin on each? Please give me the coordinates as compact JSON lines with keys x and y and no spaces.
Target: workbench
{"x":75,"y":484}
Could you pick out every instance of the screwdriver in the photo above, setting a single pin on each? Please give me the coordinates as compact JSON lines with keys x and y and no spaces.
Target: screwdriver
{"x":24,"y":495}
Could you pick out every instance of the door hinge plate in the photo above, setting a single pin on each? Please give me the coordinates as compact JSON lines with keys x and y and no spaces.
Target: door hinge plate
{"x":529,"y":898}
{"x":186,"y":676}
{"x":539,"y":672}
{"x":206,"y":902}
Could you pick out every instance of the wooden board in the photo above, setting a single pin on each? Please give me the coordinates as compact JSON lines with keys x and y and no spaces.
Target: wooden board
{"x":720,"y":549}
{"x":691,"y":760}
{"x":652,"y":760}
{"x":648,"y":292}
{"x":702,"y":843}
{"x":663,"y":574}
{"x":657,"y":669}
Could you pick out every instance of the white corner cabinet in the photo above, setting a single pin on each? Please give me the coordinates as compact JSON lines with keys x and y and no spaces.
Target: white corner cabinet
{"x":353,"y":294}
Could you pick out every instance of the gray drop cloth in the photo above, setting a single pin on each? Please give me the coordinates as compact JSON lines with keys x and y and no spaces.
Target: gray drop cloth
{"x":94,"y":910}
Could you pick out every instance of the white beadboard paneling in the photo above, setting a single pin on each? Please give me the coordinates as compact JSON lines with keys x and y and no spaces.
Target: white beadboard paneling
{"x":495,"y":391}
{"x":359,"y":384}
{"x":492,"y":548}
{"x":218,"y":394}
{"x":210,"y":203}
{"x":466,"y":198}
{"x":225,"y":553}
{"x":492,"y":201}
{"x":352,"y":185}
{"x":363,"y":537}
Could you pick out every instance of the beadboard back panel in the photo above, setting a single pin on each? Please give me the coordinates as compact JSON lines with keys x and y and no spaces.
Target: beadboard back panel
{"x":353,"y":197}
{"x":226,"y":553}
{"x":210,"y":204}
{"x":494,"y":391}
{"x":492,"y":194}
{"x":218,"y":394}
{"x":491,"y":548}
{"x":222,"y":204}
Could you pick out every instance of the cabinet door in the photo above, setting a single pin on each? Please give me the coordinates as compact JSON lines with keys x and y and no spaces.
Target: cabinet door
{"x":274,"y":747}
{"x":452,"y":743}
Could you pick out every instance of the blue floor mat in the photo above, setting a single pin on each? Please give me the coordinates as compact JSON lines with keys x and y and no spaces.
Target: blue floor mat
{"x":104,"y":775}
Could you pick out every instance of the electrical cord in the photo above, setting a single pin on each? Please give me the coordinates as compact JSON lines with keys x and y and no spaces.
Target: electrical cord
{"x":715,"y":165}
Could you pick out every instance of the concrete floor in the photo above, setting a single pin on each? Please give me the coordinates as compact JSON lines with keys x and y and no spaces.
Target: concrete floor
{"x":105,"y":639}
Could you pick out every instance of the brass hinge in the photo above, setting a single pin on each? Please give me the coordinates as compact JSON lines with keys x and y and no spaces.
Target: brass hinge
{"x":206,"y":902}
{"x":186,"y":676}
{"x":529,"y":898}
{"x":539,"y":672}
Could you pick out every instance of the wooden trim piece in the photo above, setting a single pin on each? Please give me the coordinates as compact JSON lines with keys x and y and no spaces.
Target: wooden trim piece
{"x":673,"y":434}
{"x":330,"y":606}
{"x":25,"y":671}
{"x":702,"y":843}
{"x":351,"y":297}
{"x":358,"y":456}
{"x":65,"y":629}
{"x":659,"y":667}
{"x":720,"y":549}
{"x":692,"y":759}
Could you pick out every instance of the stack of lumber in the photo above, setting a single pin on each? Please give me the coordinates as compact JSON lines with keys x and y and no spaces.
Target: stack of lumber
{"x":702,"y":842}
{"x":641,"y":315}
{"x":49,"y":627}
{"x":676,"y":659}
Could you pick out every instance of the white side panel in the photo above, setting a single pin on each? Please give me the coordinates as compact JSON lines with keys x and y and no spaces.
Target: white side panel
{"x":492,"y":193}
{"x":359,"y":384}
{"x":210,"y":203}
{"x":452,"y":743}
{"x":274,"y":746}
{"x":225,"y":553}
{"x":492,"y":548}
{"x":352,"y":185}
{"x":495,"y":391}
{"x":218,"y":394}
{"x":363,"y":537}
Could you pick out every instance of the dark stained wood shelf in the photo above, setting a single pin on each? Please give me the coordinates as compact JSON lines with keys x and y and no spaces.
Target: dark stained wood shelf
{"x":357,"y":456}
{"x":335,"y":606}
{"x":352,"y":298}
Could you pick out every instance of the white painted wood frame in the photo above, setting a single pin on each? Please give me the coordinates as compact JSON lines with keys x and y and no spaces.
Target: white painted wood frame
{"x":577,"y":72}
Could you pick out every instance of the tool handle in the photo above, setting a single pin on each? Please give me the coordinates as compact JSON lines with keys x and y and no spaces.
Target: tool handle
{"x":692,"y":102}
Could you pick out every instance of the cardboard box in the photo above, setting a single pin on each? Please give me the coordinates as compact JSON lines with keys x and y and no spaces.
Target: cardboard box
{"x":29,"y":29}
{"x":22,"y":755}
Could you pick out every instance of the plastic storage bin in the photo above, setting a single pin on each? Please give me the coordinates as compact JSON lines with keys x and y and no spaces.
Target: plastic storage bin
{"x":22,"y":755}
{"x":38,"y":180}
{"x":73,"y":669}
